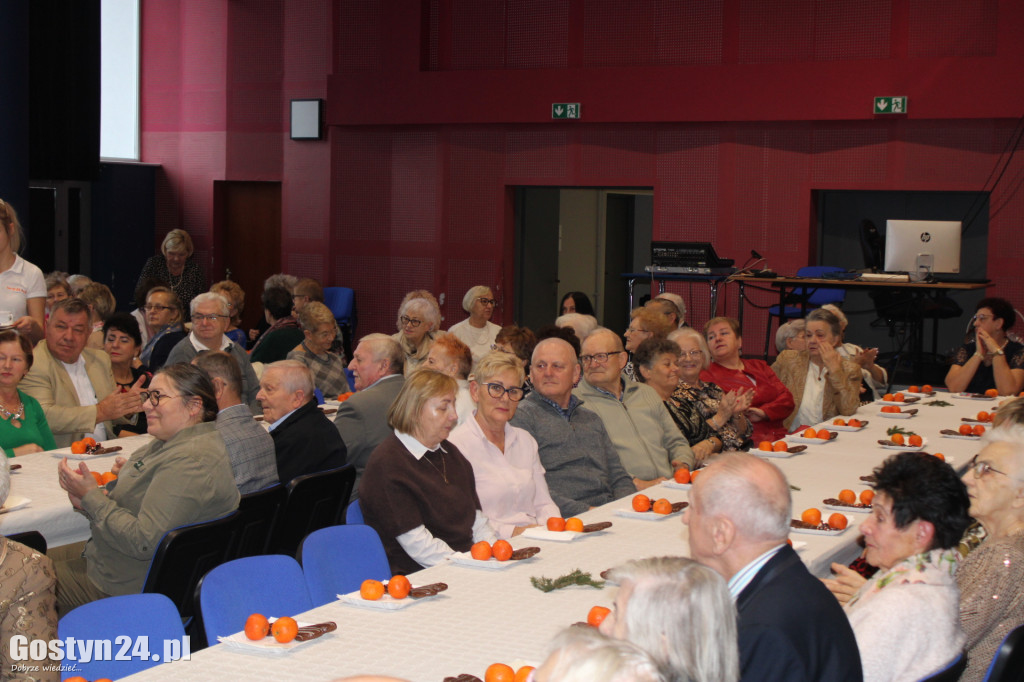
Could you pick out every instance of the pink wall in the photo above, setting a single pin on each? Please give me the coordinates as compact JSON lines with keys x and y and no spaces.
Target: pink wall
{"x":732,"y":111}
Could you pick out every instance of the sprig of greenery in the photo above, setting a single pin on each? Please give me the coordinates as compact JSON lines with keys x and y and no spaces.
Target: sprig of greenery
{"x":577,"y":577}
{"x":893,"y":430}
{"x":938,"y":403}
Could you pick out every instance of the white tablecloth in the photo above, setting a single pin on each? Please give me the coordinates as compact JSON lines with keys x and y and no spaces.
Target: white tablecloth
{"x":491,"y":616}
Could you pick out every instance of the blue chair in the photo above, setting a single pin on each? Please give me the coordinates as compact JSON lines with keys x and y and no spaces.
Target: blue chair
{"x":354,"y":513}
{"x":319,"y":396}
{"x":271,"y":584}
{"x":342,"y":303}
{"x":816,"y":297}
{"x":131,"y":615}
{"x":1008,"y":663}
{"x":337,"y":560}
{"x":950,"y":673}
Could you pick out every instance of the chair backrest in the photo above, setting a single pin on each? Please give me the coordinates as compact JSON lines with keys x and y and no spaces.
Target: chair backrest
{"x":337,"y":560}
{"x":258,"y":512}
{"x":354,"y":513}
{"x":184,"y":556}
{"x":819,"y":296}
{"x":342,"y":303}
{"x":950,"y":673}
{"x":313,"y":501}
{"x":131,"y":615}
{"x":1008,"y":663}
{"x":271,"y":584}
{"x":33,"y":539}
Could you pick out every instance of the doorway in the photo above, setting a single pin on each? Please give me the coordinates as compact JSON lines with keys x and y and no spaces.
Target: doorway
{"x":579,"y":239}
{"x":247,"y":218}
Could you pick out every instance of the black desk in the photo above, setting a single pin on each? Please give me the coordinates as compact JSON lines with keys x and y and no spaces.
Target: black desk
{"x":661,"y":277}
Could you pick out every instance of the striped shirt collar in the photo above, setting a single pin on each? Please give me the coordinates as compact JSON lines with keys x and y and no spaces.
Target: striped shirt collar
{"x":742,"y":578}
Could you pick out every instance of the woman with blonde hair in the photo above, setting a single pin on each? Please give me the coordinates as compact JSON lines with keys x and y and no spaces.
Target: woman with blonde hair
{"x":328,"y":368}
{"x":644,"y":323}
{"x":477,"y":331}
{"x":102,"y":304}
{"x":176,"y":268}
{"x":419,"y":318}
{"x":22,"y":288}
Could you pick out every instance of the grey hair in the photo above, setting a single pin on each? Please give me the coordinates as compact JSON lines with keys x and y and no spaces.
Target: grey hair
{"x":473,"y":294}
{"x":582,"y":654}
{"x":678,"y":335}
{"x":840,"y":315}
{"x":295,"y":376}
{"x":1011,"y":411}
{"x":1012,"y":433}
{"x":210,"y":297}
{"x":787,"y":332}
{"x":5,"y":480}
{"x":281,"y":281}
{"x":677,"y":300}
{"x":750,"y":492}
{"x":822,"y":315}
{"x":579,"y":323}
{"x":384,"y":347}
{"x":682,"y":613}
{"x":431,"y":313}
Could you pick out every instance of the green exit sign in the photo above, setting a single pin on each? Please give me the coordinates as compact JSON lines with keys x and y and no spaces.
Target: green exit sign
{"x":565,"y":110}
{"x":890,"y":105}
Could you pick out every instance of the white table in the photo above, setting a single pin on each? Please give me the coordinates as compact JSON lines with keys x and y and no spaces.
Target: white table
{"x":50,"y":512}
{"x":488,"y":616}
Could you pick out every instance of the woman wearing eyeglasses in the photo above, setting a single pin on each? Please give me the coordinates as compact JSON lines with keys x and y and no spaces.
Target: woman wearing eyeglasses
{"x":992,"y":360}
{"x":509,"y":477}
{"x":477,"y":331}
{"x":419,"y":318}
{"x":163,"y":319}
{"x":182,"y":477}
{"x":644,"y":323}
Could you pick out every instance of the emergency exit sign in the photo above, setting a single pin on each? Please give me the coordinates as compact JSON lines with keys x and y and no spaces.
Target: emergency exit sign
{"x":565,"y":110}
{"x":890,"y":105}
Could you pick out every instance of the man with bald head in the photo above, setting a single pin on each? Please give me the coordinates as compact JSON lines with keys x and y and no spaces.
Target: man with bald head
{"x":583,"y":469}
{"x":790,"y":627}
{"x":650,"y":445}
{"x":305,"y":441}
{"x":362,"y":420}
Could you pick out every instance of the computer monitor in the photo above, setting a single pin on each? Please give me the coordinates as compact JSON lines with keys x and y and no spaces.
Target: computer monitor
{"x":922,"y":247}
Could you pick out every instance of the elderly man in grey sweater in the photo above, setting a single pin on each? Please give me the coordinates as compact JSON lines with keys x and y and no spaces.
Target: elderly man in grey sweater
{"x":583,"y":468}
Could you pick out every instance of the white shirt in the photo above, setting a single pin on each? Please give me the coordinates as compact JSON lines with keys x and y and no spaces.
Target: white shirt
{"x":225,"y":343}
{"x":809,"y":410}
{"x":86,"y":392}
{"x":464,"y":405}
{"x":478,"y":339}
{"x":20,"y":282}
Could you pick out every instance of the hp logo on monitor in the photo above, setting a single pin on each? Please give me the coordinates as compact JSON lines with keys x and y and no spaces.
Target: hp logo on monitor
{"x":926,"y":236}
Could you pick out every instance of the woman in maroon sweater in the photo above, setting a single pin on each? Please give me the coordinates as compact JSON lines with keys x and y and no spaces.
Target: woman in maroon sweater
{"x":772,"y":401}
{"x":418,"y":491}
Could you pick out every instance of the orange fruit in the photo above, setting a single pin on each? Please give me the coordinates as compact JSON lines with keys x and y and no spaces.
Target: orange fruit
{"x":888,"y":397}
{"x":502,"y":550}
{"x":574,"y":524}
{"x":897,"y":438}
{"x":765,"y":445}
{"x":965,"y":429}
{"x":837,"y":521}
{"x":523,"y":673}
{"x":662,"y":506}
{"x":856,"y":423}
{"x":107,"y":478}
{"x":780,"y":446}
{"x":811,"y":516}
{"x":641,"y":503}
{"x":866,"y":496}
{"x":823,"y":434}
{"x":284,"y":629}
{"x":940,"y":456}
{"x":693,"y":475}
{"x":78,"y":447}
{"x":257,"y":626}
{"x":99,"y":477}
{"x":89,"y":441}
{"x":983,"y":416}
{"x":992,"y":393}
{"x":682,"y":475}
{"x":371,"y":590}
{"x":915,"y":441}
{"x":978,"y":430}
{"x":927,"y":388}
{"x":499,"y":672}
{"x":914,"y":389}
{"x":556,"y":523}
{"x":810,"y":433}
{"x":399,"y":587}
{"x":847,"y":497}
{"x":899,"y":397}
{"x":597,"y":615}
{"x":839,"y":422}
{"x":481,"y":551}
{"x":76,"y":678}
{"x":890,"y":409}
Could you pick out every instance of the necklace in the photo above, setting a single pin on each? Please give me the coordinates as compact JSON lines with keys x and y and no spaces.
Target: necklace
{"x":444,"y":464}
{"x":14,"y":417}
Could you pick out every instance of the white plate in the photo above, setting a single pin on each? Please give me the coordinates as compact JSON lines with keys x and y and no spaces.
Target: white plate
{"x":972,"y":396}
{"x":385,"y":603}
{"x":858,"y":510}
{"x":973,"y":422}
{"x":897,"y":403}
{"x":919,"y":395}
{"x":492,"y":564}
{"x":815,"y":531}
{"x":670,"y":483}
{"x":538,"y":533}
{"x":895,"y":415}
{"x":268,"y":645}
{"x":779,"y":455}
{"x":14,"y":502}
{"x":66,"y":452}
{"x":808,"y":441}
{"x":645,"y":516}
{"x":906,"y":447}
{"x":959,"y":437}
{"x":834,"y":427}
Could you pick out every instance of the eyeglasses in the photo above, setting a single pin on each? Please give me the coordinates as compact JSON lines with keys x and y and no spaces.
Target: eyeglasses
{"x":691,"y":354}
{"x":154,"y":397}
{"x":410,"y":321}
{"x":981,"y":318}
{"x":637,"y":331}
{"x":488,"y":301}
{"x":206,"y":318}
{"x":515,"y":393}
{"x":982,"y":468}
{"x":150,"y":307}
{"x":599,"y":357}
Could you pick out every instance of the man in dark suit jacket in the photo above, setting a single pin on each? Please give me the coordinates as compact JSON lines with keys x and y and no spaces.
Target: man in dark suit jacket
{"x":305,"y":441}
{"x":790,"y":626}
{"x":362,"y":420}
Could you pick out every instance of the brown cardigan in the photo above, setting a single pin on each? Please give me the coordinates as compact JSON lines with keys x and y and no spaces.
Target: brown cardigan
{"x":842,"y":391}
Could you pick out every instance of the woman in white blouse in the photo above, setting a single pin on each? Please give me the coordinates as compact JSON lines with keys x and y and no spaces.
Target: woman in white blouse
{"x":509,"y":477}
{"x":477,"y":331}
{"x":22,"y":290}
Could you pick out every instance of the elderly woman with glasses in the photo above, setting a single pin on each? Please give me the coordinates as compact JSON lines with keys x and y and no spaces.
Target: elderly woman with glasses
{"x":328,"y":367}
{"x":419,"y":318}
{"x":182,"y":476}
{"x":509,"y":477}
{"x":176,"y":268}
{"x":477,"y":331}
{"x":164,"y":324}
{"x":644,"y":323}
{"x":992,"y":359}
